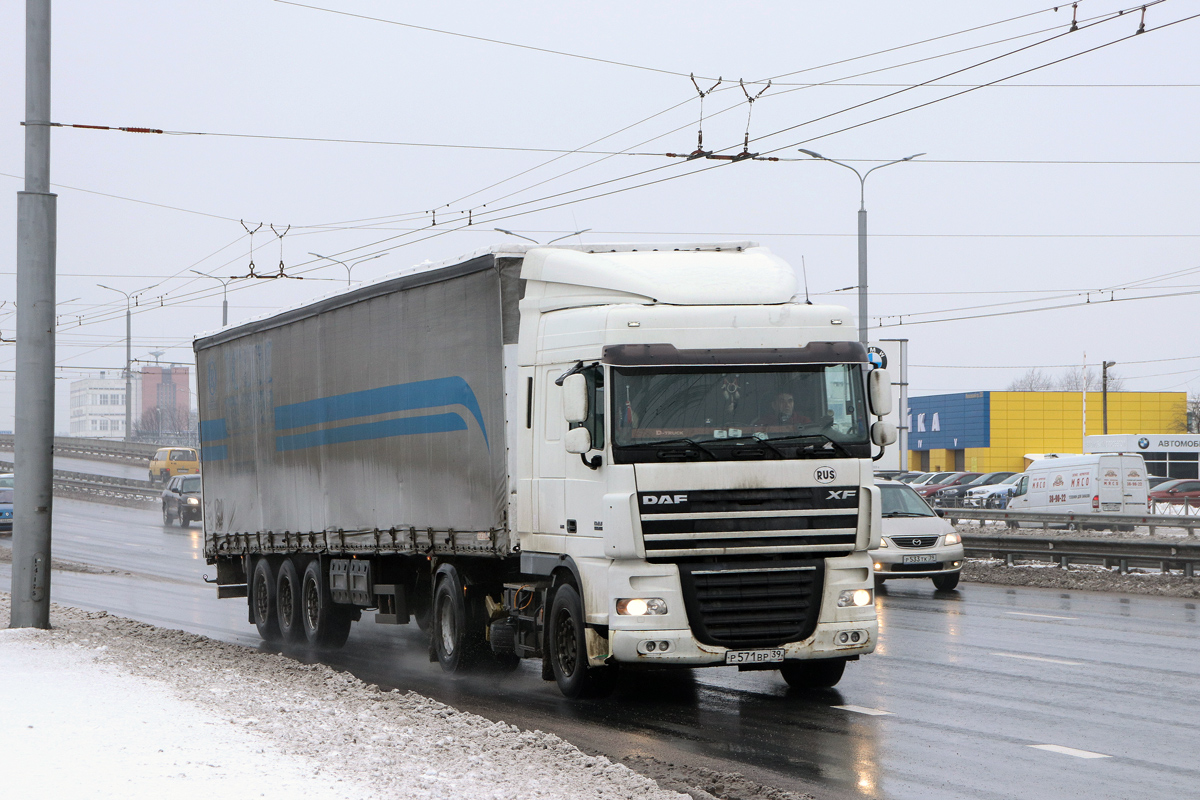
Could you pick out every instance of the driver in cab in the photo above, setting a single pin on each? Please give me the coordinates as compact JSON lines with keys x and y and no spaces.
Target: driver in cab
{"x":783,"y":413}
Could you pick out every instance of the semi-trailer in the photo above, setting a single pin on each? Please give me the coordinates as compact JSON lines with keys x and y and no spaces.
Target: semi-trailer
{"x":604,"y":457}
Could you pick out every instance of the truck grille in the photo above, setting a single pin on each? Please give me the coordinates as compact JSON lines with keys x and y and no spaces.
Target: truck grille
{"x":742,"y":605}
{"x":749,"y":522}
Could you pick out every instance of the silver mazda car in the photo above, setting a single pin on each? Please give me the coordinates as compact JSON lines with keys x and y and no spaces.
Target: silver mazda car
{"x":916,"y":542}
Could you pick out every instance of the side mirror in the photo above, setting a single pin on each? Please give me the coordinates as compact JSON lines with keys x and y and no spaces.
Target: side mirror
{"x":883,"y":433}
{"x":575,"y":399}
{"x":879,"y":392}
{"x":578,"y":440}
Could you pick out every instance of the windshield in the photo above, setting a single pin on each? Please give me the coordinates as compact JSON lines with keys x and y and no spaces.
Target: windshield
{"x":191,"y":484}
{"x":780,"y":411}
{"x":6,"y":495}
{"x":901,"y":501}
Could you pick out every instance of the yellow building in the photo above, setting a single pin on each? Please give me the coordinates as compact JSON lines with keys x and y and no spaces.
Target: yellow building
{"x":992,"y":431}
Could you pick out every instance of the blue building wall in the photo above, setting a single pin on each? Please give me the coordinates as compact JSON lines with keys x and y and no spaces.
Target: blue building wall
{"x":950,"y":421}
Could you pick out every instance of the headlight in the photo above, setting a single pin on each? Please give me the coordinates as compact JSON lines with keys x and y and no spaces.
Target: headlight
{"x":953,"y":538}
{"x":883,"y":542}
{"x":640,"y":607}
{"x":193,"y":501}
{"x":854,"y":597}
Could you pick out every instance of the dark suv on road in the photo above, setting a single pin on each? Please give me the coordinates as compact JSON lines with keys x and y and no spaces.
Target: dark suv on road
{"x":181,"y":500}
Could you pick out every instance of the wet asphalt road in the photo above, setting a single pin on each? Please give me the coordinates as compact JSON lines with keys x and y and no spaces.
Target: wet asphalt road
{"x":972,"y":682}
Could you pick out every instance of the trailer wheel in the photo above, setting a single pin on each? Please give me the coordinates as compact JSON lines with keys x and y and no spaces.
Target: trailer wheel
{"x":818,"y":674}
{"x":457,"y":635}
{"x":287,"y":602}
{"x":262,"y":600}
{"x":568,"y":649}
{"x":326,"y":625}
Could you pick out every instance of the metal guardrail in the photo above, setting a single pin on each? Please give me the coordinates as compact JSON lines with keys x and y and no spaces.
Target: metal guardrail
{"x":101,"y":488}
{"x":100,"y":449}
{"x":1077,"y":521}
{"x":1121,"y":553}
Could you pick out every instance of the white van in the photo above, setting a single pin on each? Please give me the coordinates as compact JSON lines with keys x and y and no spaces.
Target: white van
{"x":1089,"y":484}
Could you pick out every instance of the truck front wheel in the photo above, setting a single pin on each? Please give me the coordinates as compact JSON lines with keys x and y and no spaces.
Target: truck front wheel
{"x":326,"y":625}
{"x":262,"y":600}
{"x":817,"y":674}
{"x":568,"y":649}
{"x":457,"y":635}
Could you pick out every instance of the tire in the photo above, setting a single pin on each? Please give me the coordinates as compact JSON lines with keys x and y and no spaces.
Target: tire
{"x":818,"y":674}
{"x":166,"y":515}
{"x":326,"y":624}
{"x":287,"y":602}
{"x":262,"y":600}
{"x":457,"y":633}
{"x":181,"y":520}
{"x":1013,"y":525}
{"x":944,"y":583}
{"x":151,"y":478}
{"x":568,"y":649}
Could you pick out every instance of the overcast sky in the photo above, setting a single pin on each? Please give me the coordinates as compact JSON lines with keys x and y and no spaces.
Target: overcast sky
{"x":955,"y":247}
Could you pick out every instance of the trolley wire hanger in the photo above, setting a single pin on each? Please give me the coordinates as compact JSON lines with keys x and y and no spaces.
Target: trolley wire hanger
{"x":700,"y":152}
{"x":261,"y":276}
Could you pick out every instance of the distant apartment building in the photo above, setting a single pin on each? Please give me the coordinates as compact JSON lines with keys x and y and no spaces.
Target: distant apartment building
{"x":98,"y":406}
{"x":165,"y":402}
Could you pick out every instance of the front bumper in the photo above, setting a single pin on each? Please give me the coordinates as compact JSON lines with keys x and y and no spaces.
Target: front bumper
{"x":628,"y":647}
{"x":889,"y":562}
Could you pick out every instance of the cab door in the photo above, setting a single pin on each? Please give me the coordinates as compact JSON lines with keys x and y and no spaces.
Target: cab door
{"x":585,"y":481}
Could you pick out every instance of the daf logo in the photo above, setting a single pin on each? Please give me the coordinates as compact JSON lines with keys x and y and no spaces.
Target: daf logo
{"x":842,"y":494}
{"x":664,"y":499}
{"x":825,"y":474}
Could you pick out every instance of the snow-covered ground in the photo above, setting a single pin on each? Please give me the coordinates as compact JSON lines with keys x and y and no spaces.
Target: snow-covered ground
{"x":103,"y":707}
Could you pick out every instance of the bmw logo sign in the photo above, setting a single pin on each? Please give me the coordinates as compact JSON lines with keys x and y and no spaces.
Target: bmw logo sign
{"x":1143,"y":443}
{"x":877,"y":357}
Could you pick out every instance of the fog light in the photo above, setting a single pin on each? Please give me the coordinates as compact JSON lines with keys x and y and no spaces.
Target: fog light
{"x":640,"y":607}
{"x":843,"y":637}
{"x":651,"y":647}
{"x":957,"y":564}
{"x":878,"y":567}
{"x":664,"y":646}
{"x":854,"y":597}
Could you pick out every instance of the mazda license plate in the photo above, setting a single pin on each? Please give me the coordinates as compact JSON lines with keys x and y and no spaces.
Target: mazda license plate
{"x":930,"y":559}
{"x":754,"y":656}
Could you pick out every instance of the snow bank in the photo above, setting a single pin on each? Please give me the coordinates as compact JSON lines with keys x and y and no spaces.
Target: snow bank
{"x":103,"y":706}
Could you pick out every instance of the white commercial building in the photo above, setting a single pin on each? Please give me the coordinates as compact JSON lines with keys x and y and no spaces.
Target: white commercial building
{"x":1167,"y":455}
{"x":98,"y":406}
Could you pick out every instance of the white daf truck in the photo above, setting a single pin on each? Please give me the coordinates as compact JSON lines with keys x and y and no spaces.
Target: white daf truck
{"x":602,"y":457}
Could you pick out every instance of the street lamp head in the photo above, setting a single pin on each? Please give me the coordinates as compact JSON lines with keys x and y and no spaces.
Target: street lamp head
{"x":811,"y":153}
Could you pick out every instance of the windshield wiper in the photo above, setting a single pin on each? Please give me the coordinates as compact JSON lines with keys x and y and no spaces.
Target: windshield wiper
{"x":906,"y":514}
{"x":681,"y":440}
{"x":751,"y":437}
{"x":817,"y":438}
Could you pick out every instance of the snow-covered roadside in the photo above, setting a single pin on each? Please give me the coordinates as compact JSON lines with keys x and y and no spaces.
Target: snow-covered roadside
{"x":103,"y":706}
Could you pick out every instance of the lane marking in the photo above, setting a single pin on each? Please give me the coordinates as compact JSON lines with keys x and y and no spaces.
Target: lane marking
{"x":1041,"y":616}
{"x":1039,"y":658}
{"x":872,"y":712}
{"x":1068,"y":751}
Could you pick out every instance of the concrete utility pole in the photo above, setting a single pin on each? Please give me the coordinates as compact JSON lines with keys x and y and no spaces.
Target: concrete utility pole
{"x":224,"y":295}
{"x":1104,"y":389}
{"x":862,"y":232}
{"x":128,"y":358}
{"x":37,"y":221}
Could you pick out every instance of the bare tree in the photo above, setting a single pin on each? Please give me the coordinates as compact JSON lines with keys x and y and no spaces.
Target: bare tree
{"x":1077,"y":379}
{"x":1193,"y":412}
{"x":1032,"y":381}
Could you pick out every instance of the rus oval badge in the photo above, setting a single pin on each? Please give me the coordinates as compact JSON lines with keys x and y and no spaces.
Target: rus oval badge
{"x":825,"y":474}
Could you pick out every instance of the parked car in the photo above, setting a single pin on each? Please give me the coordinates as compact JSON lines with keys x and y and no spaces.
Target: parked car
{"x":6,"y":509}
{"x":1084,"y":485}
{"x":6,"y":480}
{"x":181,"y":500}
{"x":909,"y":477}
{"x":928,"y":477}
{"x":951,"y":479}
{"x":887,"y":474}
{"x":1153,"y":481}
{"x":994,"y":496}
{"x":953,"y":495}
{"x":171,"y":461}
{"x":1181,"y":491}
{"x":916,"y":542}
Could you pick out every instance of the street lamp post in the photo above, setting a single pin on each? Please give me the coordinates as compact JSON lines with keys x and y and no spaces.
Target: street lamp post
{"x":862,"y":232}
{"x":348,"y":266}
{"x":224,"y":295}
{"x":1104,"y":390}
{"x":128,"y":358}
